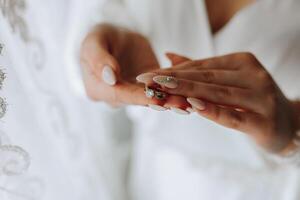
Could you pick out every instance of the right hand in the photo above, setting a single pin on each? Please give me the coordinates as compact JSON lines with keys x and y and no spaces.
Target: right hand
{"x":111,"y":58}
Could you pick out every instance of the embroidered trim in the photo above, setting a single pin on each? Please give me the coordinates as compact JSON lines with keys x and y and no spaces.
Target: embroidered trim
{"x":13,"y":10}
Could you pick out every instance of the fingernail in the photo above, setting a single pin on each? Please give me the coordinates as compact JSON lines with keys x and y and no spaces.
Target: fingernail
{"x":108,"y":75}
{"x":239,"y":109}
{"x":145,"y":78}
{"x":157,"y":107}
{"x":197,"y":103}
{"x":180,"y":111}
{"x":167,"y":81}
{"x":191,"y":110}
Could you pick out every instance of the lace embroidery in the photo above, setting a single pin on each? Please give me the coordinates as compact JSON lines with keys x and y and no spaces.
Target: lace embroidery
{"x":14,"y":160}
{"x":2,"y":77}
{"x":12,"y":10}
{"x":1,"y":48}
{"x":3,"y":106}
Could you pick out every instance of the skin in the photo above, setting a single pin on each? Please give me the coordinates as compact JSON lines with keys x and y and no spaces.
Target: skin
{"x":238,"y":92}
{"x":220,"y":12}
{"x":129,"y":54}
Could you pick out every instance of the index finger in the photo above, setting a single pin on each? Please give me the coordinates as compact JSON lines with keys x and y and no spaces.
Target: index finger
{"x":134,"y":94}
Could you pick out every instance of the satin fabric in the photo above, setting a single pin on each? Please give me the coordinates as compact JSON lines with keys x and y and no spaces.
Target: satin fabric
{"x":188,"y":157}
{"x":83,"y":150}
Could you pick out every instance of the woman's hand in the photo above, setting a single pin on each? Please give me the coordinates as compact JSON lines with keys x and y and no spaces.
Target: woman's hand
{"x":111,"y":58}
{"x":237,"y":92}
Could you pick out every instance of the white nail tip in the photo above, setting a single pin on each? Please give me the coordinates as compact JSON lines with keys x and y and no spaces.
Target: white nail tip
{"x":197,"y":103}
{"x":191,"y":110}
{"x":180,"y":111}
{"x":108,"y":75}
{"x":147,"y":77}
{"x":156,"y":107}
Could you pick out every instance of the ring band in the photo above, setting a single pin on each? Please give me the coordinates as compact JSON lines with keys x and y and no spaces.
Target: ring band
{"x":150,"y":93}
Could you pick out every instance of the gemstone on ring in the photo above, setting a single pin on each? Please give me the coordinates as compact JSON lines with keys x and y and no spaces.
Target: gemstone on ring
{"x":149,"y":93}
{"x":160,"y":95}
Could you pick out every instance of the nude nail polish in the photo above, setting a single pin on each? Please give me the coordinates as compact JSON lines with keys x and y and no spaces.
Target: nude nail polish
{"x":167,"y":81}
{"x":197,"y":103}
{"x":145,"y":78}
{"x":157,"y":107}
{"x":191,"y":110}
{"x":108,"y":75}
{"x":180,"y":111}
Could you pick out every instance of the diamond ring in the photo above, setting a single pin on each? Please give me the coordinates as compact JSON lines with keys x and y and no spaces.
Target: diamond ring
{"x":150,"y":93}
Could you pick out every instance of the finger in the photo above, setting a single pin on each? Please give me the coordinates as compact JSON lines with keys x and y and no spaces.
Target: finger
{"x":178,"y":104}
{"x":220,"y":77}
{"x":134,"y":94}
{"x":95,"y":53}
{"x":226,"y":62}
{"x":176,"y":58}
{"x":243,"y":121}
{"x":221,"y":95}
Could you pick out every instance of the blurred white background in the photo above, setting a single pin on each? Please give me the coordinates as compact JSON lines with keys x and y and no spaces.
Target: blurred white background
{"x":77,"y":149}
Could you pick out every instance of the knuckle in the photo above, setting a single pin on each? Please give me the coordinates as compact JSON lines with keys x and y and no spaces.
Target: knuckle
{"x":199,"y":62}
{"x":223,"y":92}
{"x":172,"y":74}
{"x":208,"y":76}
{"x":235,"y":120}
{"x":248,"y":56}
{"x":204,"y":63}
{"x":186,"y":88}
{"x":115,"y":93}
{"x":264,"y":76}
{"x":217,"y":113}
{"x":271,"y":101}
{"x":192,"y":87}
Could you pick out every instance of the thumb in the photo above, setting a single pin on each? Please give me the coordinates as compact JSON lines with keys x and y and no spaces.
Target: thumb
{"x":176,"y":58}
{"x":102,"y":64}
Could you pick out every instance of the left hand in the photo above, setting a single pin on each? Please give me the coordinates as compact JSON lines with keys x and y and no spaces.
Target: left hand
{"x":235,"y":91}
{"x":111,"y":57}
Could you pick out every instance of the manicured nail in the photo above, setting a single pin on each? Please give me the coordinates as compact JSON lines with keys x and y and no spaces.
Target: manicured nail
{"x":108,"y":75}
{"x":239,"y":109}
{"x":197,"y":103}
{"x":145,"y":78}
{"x":157,"y":107}
{"x":167,"y":81}
{"x":191,"y":110}
{"x":180,"y":111}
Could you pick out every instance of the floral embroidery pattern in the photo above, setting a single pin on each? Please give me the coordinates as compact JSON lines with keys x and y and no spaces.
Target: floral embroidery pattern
{"x":12,"y":10}
{"x":14,"y":160}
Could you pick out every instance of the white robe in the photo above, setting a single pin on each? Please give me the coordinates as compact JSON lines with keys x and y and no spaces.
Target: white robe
{"x":188,"y":157}
{"x":80,"y":150}
{"x":53,"y":145}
